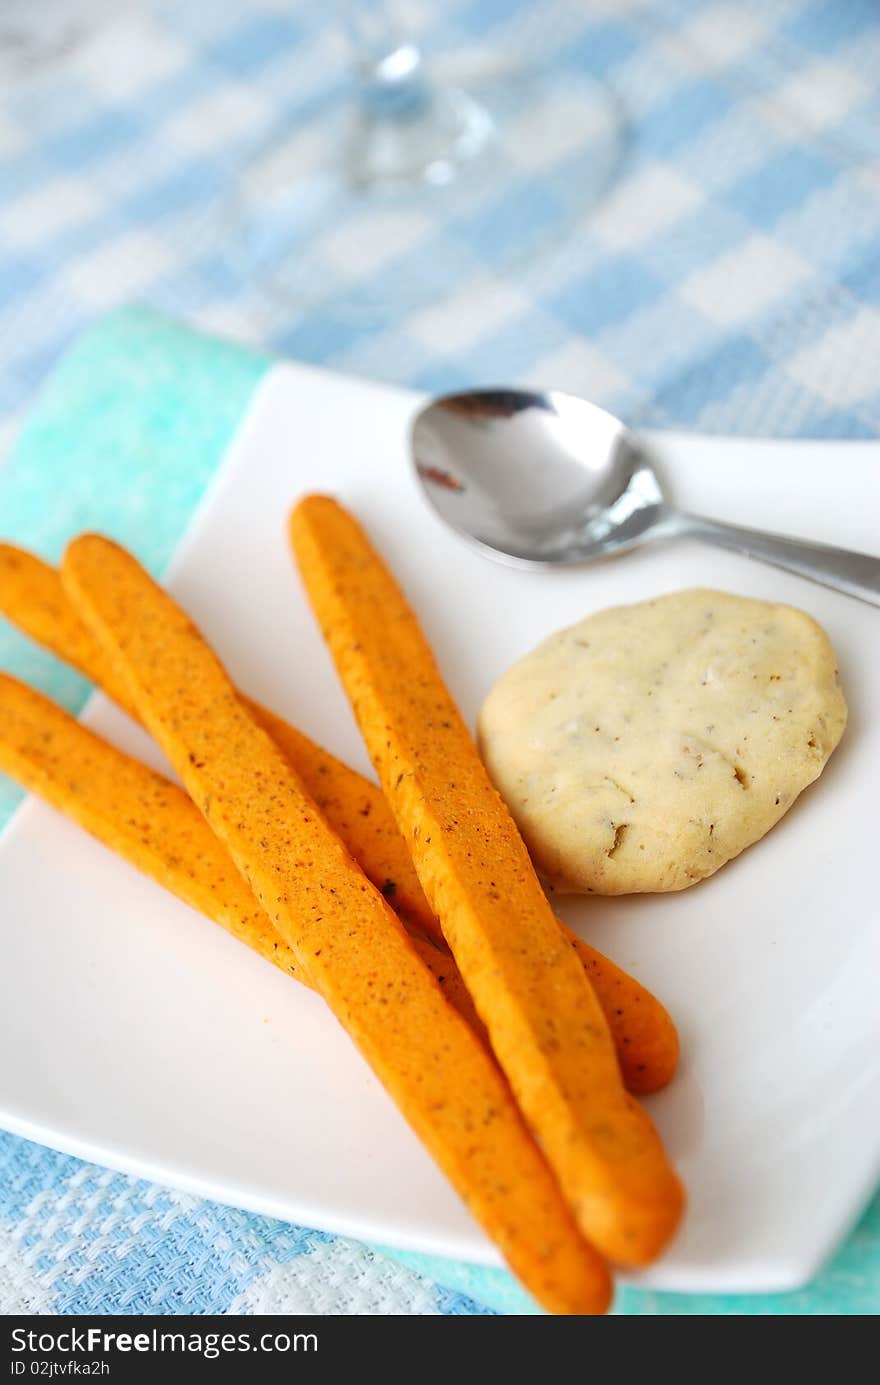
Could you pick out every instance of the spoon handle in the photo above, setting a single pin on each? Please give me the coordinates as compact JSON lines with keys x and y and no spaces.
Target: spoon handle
{"x":855,"y":574}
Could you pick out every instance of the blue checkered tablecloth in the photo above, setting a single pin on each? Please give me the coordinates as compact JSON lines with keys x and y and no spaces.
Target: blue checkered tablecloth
{"x":730,"y":282}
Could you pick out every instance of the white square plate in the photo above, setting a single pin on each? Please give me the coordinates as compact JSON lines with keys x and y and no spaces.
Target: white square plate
{"x":137,"y":1034}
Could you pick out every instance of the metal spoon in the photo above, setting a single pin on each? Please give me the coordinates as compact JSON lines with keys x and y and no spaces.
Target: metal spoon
{"x":543,"y":479}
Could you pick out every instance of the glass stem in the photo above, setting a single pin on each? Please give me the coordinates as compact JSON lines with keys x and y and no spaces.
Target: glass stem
{"x":387,"y":66}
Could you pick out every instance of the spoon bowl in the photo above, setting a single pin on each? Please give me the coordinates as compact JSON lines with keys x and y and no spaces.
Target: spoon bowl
{"x":548,"y":479}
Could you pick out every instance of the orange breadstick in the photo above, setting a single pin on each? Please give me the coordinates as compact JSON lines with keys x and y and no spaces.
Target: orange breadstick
{"x":151,"y":823}
{"x":340,"y":928}
{"x":32,"y":596}
{"x":544,"y":1021}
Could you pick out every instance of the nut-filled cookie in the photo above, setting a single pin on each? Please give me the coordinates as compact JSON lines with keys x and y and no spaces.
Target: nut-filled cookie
{"x":646,"y":746}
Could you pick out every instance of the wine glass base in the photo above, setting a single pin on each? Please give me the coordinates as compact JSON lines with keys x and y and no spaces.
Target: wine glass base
{"x":367,"y":219}
{"x":431,"y":144}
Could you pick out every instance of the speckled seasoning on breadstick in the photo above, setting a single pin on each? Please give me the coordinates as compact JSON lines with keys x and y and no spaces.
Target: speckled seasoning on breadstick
{"x":32,"y":597}
{"x":151,"y":823}
{"x":341,"y":929}
{"x":546,"y":1026}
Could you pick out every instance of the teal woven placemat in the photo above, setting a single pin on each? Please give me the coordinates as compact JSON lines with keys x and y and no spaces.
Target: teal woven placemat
{"x":125,"y":439}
